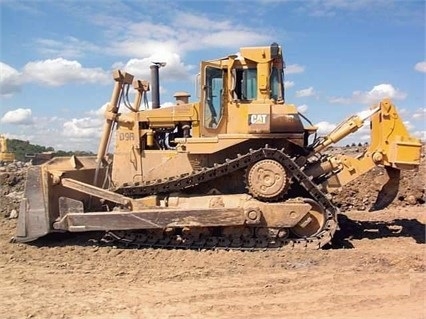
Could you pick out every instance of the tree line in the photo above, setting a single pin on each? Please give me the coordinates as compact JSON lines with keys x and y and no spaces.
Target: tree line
{"x":21,"y":148}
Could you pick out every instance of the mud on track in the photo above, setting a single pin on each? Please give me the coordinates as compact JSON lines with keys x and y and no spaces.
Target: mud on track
{"x":375,"y":269}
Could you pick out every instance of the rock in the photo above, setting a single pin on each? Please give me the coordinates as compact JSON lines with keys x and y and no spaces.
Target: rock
{"x":13,"y":214}
{"x":411,"y":200}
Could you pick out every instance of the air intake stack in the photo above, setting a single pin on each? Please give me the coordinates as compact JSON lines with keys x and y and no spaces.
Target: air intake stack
{"x":155,"y":83}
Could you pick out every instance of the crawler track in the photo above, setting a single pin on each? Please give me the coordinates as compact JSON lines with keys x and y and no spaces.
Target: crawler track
{"x":216,"y":239}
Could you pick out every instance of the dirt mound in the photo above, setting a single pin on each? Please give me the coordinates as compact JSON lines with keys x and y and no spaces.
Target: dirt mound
{"x":362,"y":193}
{"x":12,"y":181}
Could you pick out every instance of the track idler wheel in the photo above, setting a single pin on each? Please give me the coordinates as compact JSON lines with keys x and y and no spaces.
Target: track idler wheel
{"x":312,"y":223}
{"x":267,"y":180}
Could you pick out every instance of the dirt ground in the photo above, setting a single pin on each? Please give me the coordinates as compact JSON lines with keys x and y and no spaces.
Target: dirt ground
{"x":375,"y":268}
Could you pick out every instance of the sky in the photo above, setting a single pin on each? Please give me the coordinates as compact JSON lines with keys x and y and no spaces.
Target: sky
{"x":342,"y":57}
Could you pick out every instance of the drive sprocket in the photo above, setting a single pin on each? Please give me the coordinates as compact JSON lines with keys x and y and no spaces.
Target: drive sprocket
{"x":267,"y":180}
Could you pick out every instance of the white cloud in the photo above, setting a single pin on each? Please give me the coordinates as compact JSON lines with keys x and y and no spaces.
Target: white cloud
{"x":83,"y":127}
{"x":384,"y":90}
{"x":339,"y":100}
{"x":143,"y":48}
{"x":22,"y":137}
{"x":63,"y":133}
{"x":186,"y":32}
{"x":403,"y":111}
{"x":98,"y":112}
{"x":294,"y":68}
{"x":84,"y":133}
{"x":306,"y":92}
{"x":60,"y":71}
{"x":302,"y":108}
{"x":142,"y":42}
{"x":421,"y":135}
{"x":233,"y":38}
{"x":9,"y":80}
{"x":376,"y":94}
{"x":70,"y":47}
{"x":362,"y":135}
{"x":51,"y":72}
{"x":201,"y":22}
{"x":419,"y":114}
{"x":329,"y":8}
{"x":87,"y":130}
{"x":167,"y":104}
{"x":146,"y":42}
{"x":325,"y":127}
{"x":288,"y":84}
{"x":408,"y":125}
{"x":175,"y":69}
{"x":19,"y":117}
{"x":421,"y":67}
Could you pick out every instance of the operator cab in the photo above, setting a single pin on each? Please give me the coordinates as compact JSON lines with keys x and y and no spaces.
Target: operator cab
{"x":243,"y":89}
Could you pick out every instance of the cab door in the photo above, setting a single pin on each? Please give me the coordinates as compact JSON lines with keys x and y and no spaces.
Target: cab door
{"x":213,"y":99}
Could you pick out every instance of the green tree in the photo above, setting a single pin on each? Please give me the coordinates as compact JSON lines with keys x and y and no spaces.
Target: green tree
{"x":23,"y":148}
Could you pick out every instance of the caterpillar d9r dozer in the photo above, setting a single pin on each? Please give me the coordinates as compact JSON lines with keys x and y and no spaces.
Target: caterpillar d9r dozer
{"x":239,"y":169}
{"x":5,"y":155}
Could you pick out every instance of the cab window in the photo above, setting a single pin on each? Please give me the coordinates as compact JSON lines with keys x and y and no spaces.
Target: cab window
{"x":276,"y":87}
{"x":245,"y":84}
{"x":213,"y":107}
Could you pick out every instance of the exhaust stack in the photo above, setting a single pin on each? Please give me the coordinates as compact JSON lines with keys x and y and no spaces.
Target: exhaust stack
{"x":155,"y":83}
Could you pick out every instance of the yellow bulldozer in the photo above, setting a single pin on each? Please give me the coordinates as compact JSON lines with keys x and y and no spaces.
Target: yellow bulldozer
{"x":5,"y":155}
{"x":240,"y":168}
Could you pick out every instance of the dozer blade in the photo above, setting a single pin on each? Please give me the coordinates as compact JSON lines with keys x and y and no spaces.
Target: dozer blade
{"x":33,"y":220}
{"x":389,"y":189}
{"x":39,"y":207}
